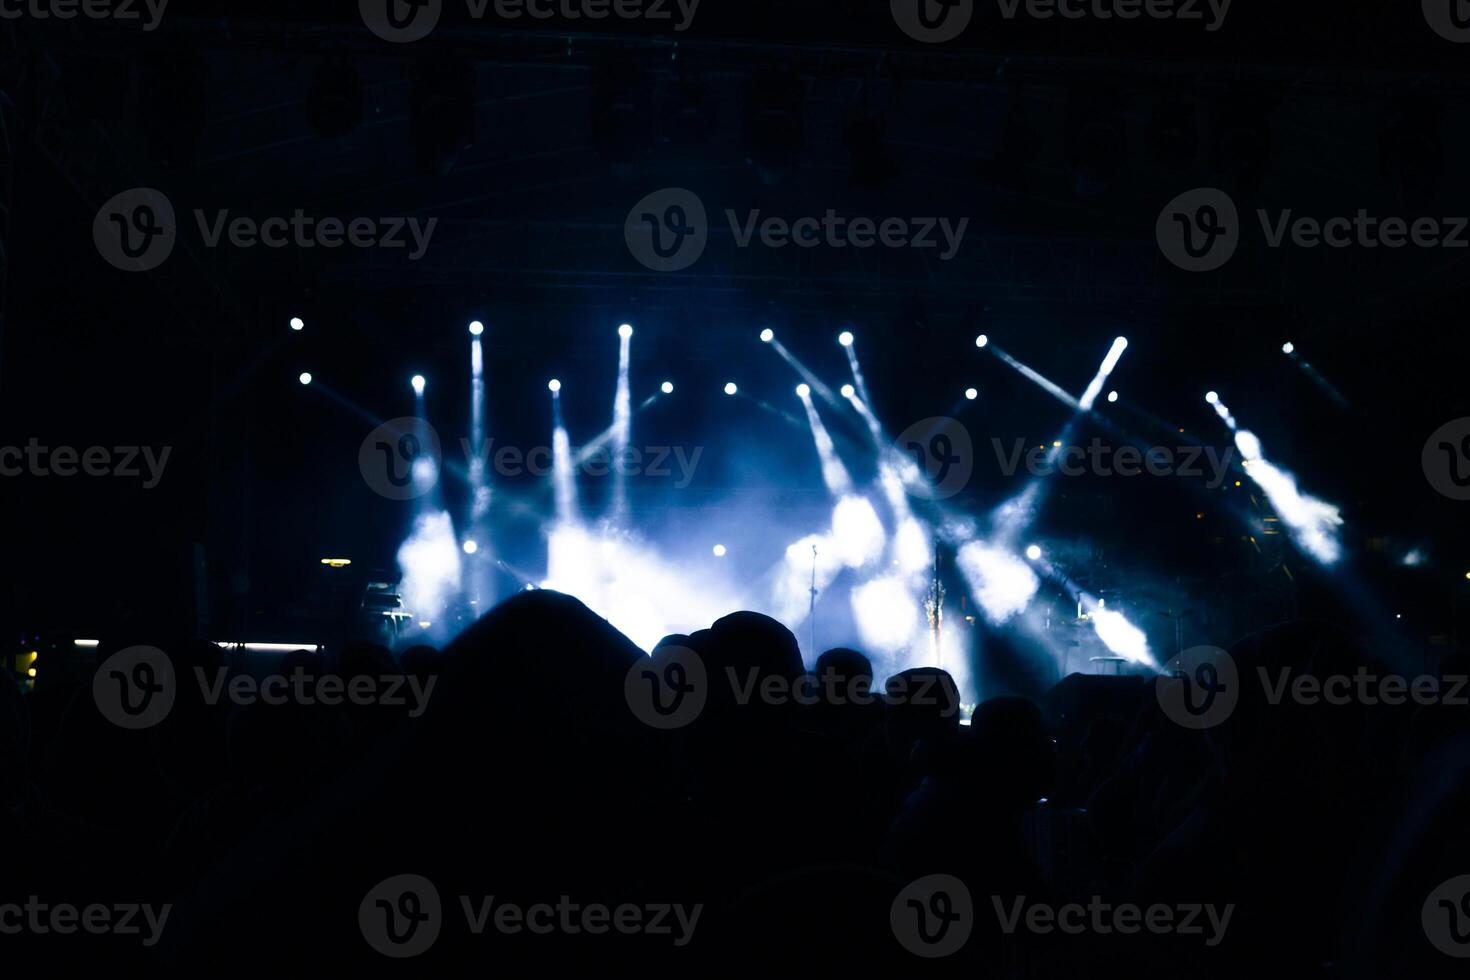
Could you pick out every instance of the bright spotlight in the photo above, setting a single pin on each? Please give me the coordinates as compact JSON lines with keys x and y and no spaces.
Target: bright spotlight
{"x":767,"y":335}
{"x":981,"y":340}
{"x":1212,"y":397}
{"x":1288,"y":347}
{"x":1112,"y":397}
{"x":625,"y":331}
{"x":803,"y":390}
{"x":667,"y":387}
{"x":720,"y":551}
{"x":553,"y":385}
{"x":418,"y":383}
{"x":305,"y":377}
{"x":477,"y":328}
{"x":845,"y":338}
{"x":848,"y":391}
{"x":1034,"y":552}
{"x":731,"y":387}
{"x":471,"y":546}
{"x":972,"y":393}
{"x":297,"y":323}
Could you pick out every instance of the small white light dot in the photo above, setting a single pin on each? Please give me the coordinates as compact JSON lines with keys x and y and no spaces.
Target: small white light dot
{"x":720,"y":551}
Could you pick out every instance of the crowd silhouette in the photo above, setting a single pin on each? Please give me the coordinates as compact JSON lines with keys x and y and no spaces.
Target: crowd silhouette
{"x":792,"y":825}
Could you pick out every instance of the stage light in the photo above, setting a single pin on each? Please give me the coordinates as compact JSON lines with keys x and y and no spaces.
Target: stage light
{"x":305,"y":377}
{"x":1212,"y":397}
{"x":418,"y":383}
{"x":731,"y":387}
{"x":297,"y":323}
{"x":981,"y":340}
{"x":471,"y":546}
{"x":625,"y":331}
{"x":1034,"y":552}
{"x":667,"y":387}
{"x":720,"y":551}
{"x":803,"y":390}
{"x":972,"y":393}
{"x":1288,"y":347}
{"x":553,"y":386}
{"x":1112,"y":397}
{"x":848,"y":391}
{"x":1056,"y":444}
{"x":845,"y":338}
{"x":477,"y":328}
{"x":1467,"y":575}
{"x":86,"y":643}
{"x":337,"y":562}
{"x":767,"y":335}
